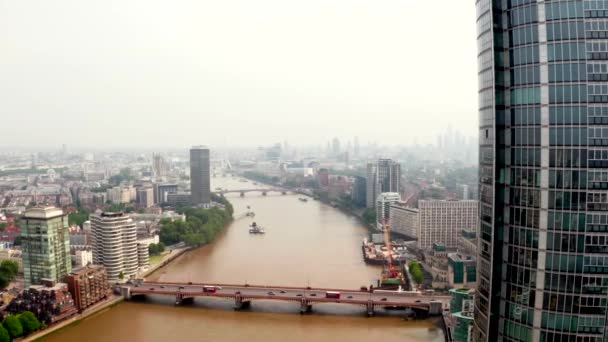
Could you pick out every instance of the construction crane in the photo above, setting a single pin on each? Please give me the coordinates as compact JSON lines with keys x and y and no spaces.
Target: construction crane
{"x":391,"y":270}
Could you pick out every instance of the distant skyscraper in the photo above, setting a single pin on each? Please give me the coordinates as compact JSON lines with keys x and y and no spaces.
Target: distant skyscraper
{"x":543,"y":109}
{"x":200,"y":181}
{"x":359,"y":191}
{"x":388,"y":176}
{"x":159,"y":165}
{"x":45,"y":241}
{"x":370,"y":185}
{"x":356,"y":148}
{"x":114,"y":240}
{"x":335,"y":147}
{"x":384,"y":176}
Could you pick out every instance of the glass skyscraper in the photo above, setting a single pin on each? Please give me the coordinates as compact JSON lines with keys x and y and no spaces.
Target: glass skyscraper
{"x":543,"y":112}
{"x":200,"y":181}
{"x":45,"y":241}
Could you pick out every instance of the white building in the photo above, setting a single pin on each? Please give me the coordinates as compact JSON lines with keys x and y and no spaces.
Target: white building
{"x":114,"y":239}
{"x":442,"y":222}
{"x":404,"y":220}
{"x":82,"y":257}
{"x":121,"y":194}
{"x":383,"y":206}
{"x":148,"y":239}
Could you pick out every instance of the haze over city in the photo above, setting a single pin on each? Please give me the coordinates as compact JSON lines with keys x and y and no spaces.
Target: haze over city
{"x":310,"y":171}
{"x":235,"y":73}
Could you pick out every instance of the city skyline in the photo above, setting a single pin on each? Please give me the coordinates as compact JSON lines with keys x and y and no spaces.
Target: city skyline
{"x":261,"y":72}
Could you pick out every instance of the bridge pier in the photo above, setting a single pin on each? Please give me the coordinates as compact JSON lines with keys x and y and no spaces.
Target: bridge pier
{"x":240,"y":303}
{"x":125,"y":292}
{"x":305,"y":306}
{"x":370,"y":309}
{"x":182,"y":299}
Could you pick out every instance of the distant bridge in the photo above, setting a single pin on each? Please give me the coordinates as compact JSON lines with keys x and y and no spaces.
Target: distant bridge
{"x":242,"y":295}
{"x":264,"y":191}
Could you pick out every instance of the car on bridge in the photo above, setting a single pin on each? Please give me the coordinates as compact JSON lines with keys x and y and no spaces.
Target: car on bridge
{"x":209,"y":289}
{"x":332,"y":294}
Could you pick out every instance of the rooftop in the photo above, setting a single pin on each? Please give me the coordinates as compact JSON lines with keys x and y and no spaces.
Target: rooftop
{"x":43,"y":212}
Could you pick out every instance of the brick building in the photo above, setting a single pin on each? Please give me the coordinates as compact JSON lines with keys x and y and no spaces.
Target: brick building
{"x":88,"y":285}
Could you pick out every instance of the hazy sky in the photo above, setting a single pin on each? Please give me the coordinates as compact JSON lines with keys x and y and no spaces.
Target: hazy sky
{"x":234,"y":72}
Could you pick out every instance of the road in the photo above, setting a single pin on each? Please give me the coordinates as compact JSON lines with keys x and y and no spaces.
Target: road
{"x":286,"y":293}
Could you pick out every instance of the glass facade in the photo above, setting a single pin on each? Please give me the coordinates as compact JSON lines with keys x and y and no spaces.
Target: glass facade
{"x":543,"y":113}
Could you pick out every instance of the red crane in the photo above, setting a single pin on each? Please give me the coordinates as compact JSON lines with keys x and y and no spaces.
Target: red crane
{"x":392,"y":271}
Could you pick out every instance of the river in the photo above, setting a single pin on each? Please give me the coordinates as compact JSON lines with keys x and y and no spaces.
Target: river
{"x":306,"y":244}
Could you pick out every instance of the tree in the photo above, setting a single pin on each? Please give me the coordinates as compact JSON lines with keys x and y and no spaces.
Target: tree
{"x":8,"y":272}
{"x":29,"y":322}
{"x":121,"y":275}
{"x":13,"y":326}
{"x":416,"y":272}
{"x":4,"y":336}
{"x":152,"y":250}
{"x":10,"y":266}
{"x":2,"y":227}
{"x":78,"y":218}
{"x":369,"y":216}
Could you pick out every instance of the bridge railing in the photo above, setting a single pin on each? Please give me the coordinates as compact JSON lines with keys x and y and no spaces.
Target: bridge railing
{"x":279,"y":287}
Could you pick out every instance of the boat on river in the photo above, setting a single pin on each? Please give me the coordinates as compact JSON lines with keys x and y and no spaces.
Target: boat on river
{"x":303,"y":199}
{"x":255,"y":229}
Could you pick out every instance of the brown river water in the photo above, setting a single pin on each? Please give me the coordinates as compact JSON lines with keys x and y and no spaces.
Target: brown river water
{"x":306,"y":244}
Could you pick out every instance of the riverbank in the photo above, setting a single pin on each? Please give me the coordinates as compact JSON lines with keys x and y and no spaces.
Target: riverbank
{"x":166,"y":260}
{"x":93,"y":310}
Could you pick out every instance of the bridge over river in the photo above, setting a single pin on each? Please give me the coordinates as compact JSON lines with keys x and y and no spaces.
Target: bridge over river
{"x":264,"y":191}
{"x":242,"y":295}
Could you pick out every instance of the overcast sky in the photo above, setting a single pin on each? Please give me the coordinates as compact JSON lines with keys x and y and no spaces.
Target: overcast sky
{"x":174,"y":73}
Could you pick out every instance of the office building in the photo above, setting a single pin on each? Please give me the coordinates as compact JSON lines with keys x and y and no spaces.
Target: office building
{"x":383,"y":208}
{"x":460,"y":318}
{"x":359,"y":192}
{"x":370,"y":185}
{"x":200,"y":182}
{"x":543,"y":109}
{"x":121,"y":194}
{"x":114,"y":238}
{"x":461,"y":270}
{"x":88,"y":285}
{"x":442,"y":222}
{"x":145,"y":197}
{"x":45,"y":242}
{"x":388,"y":176}
{"x":404,"y":220}
{"x":162,"y":191}
{"x":383,"y":176}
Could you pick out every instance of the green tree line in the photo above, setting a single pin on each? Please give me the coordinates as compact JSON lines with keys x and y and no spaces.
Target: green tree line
{"x":416,"y":271}
{"x":15,"y":326}
{"x":201,"y":225}
{"x":156,"y":248}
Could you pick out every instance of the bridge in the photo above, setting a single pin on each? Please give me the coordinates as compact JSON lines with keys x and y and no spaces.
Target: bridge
{"x":242,"y":192}
{"x":242,"y":295}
